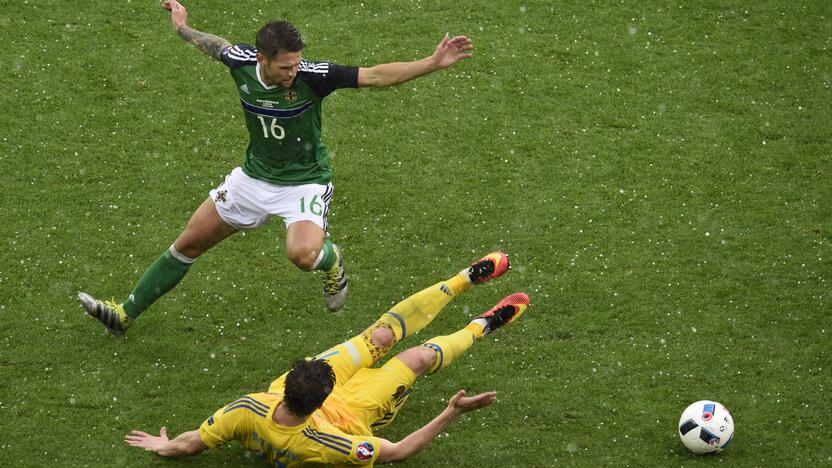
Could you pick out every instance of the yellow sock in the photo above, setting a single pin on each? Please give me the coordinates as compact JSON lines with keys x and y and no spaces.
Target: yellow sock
{"x":476,"y":328}
{"x":449,"y":348}
{"x":460,"y":283}
{"x":417,"y":311}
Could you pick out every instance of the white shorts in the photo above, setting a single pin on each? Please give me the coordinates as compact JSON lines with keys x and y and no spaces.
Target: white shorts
{"x":247,"y":203}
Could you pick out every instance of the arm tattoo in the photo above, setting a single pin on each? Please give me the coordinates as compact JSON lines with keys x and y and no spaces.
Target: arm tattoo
{"x":208,"y":43}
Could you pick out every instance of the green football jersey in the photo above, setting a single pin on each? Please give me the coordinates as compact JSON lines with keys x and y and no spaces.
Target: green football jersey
{"x":284,"y":124}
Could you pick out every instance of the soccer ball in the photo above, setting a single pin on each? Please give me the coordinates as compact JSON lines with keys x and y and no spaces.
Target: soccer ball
{"x":705,"y":427}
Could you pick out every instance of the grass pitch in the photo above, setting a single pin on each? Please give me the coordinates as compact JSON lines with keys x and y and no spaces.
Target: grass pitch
{"x":658,"y":171}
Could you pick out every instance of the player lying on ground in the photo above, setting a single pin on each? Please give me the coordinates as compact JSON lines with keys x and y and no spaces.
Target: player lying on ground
{"x":287,"y":168}
{"x":324,"y":409}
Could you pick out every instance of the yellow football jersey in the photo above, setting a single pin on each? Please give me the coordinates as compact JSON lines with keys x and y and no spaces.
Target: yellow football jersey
{"x":249,"y":421}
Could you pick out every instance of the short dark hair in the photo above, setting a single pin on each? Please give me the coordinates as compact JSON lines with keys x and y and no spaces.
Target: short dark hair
{"x":308,"y":384}
{"x":276,"y":36}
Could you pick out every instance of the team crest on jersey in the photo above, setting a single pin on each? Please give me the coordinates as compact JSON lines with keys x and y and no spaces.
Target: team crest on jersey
{"x":364,"y":451}
{"x":290,"y":95}
{"x":222,"y":196}
{"x":244,"y":88}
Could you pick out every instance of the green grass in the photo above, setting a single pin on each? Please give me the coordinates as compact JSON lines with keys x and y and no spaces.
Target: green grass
{"x":658,"y":171}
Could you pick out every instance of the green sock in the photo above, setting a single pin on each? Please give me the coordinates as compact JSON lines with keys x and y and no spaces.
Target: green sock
{"x":327,"y":257}
{"x":165,"y":273}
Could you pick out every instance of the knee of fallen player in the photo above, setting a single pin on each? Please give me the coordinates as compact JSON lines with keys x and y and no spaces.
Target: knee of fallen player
{"x":420,"y":359}
{"x":378,"y":339}
{"x":383,"y":337}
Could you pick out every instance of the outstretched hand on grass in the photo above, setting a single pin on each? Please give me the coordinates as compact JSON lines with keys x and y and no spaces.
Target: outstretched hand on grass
{"x":148,"y":442}
{"x":460,"y":403}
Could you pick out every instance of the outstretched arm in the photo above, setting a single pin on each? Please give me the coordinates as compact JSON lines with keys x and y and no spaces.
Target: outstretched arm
{"x":448,"y":52}
{"x":416,"y":441}
{"x":187,"y":443}
{"x":208,"y":43}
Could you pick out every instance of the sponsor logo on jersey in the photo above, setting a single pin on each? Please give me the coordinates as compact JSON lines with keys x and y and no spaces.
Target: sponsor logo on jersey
{"x":267,"y":104}
{"x":211,"y":421}
{"x":244,"y":88}
{"x":290,"y":95}
{"x":364,"y":451}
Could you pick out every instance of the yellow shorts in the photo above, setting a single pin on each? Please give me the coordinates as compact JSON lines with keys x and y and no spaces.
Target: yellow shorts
{"x":376,"y":395}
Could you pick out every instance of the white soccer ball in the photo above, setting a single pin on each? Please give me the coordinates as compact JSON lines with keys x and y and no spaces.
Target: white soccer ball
{"x":706,"y":426}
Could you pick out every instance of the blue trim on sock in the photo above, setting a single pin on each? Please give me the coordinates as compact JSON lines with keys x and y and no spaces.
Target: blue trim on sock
{"x":439,"y":351}
{"x":401,"y":322}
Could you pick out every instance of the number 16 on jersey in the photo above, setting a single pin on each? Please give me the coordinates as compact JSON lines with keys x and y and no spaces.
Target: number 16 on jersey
{"x":276,"y":130}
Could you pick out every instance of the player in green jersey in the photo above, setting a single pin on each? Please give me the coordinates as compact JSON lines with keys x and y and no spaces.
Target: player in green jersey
{"x":326,"y":410}
{"x":286,"y":172}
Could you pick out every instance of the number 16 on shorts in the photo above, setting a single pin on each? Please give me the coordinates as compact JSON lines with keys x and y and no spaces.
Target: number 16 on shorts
{"x":313,"y":203}
{"x":315,"y":206}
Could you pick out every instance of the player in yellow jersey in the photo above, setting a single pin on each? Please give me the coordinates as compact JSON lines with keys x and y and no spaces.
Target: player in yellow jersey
{"x":324,"y":410}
